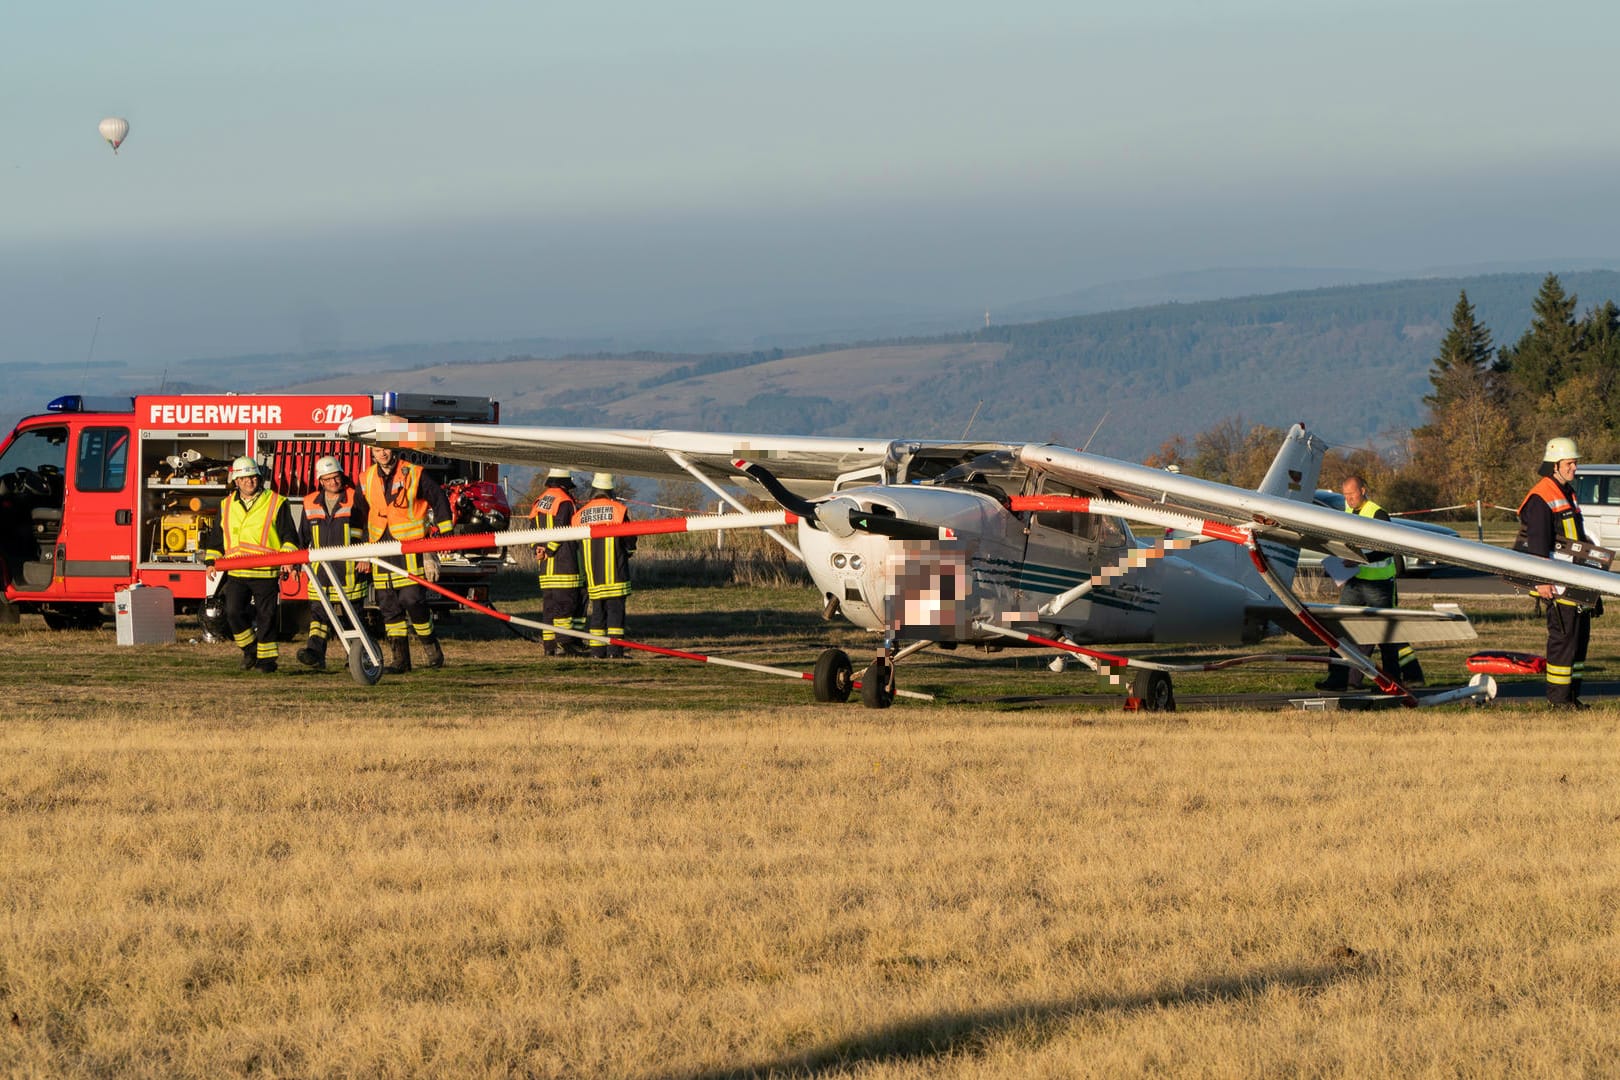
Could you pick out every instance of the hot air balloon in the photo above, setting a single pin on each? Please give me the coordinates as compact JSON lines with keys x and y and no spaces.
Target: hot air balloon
{"x":114,"y":129}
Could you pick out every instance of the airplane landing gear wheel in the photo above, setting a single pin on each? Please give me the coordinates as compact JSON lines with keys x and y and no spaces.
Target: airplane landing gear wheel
{"x":1155,"y":691}
{"x":834,"y":677}
{"x":877,"y":684}
{"x":361,"y":669}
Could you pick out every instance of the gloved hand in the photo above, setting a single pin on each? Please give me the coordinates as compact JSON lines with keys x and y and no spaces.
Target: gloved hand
{"x":430,"y":567}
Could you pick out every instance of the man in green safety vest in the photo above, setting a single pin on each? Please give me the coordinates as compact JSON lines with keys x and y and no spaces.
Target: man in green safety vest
{"x":1373,"y":586}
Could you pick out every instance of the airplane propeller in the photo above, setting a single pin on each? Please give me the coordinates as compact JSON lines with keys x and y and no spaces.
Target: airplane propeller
{"x":841,"y":515}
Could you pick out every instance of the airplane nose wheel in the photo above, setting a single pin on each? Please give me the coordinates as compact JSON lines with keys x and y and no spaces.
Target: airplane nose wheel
{"x":877,"y":684}
{"x":834,"y":676}
{"x":1154,"y":691}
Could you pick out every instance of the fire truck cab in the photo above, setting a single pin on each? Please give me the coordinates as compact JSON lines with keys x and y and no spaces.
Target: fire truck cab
{"x":96,"y":496}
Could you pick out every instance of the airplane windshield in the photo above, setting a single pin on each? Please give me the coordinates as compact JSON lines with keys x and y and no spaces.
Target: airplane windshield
{"x":998,"y":469}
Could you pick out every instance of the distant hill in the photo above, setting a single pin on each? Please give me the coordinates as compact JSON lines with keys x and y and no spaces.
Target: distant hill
{"x":1191,"y":286}
{"x":1352,"y":361}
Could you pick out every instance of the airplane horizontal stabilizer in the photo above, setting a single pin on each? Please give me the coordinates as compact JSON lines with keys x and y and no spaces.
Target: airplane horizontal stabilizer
{"x":1377,"y":626}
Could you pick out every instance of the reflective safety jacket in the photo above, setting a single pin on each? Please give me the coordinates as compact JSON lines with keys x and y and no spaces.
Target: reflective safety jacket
{"x":262,"y":527}
{"x":1380,"y":565}
{"x":607,"y":558}
{"x":400,"y":502}
{"x":1548,"y":511}
{"x":334,"y":526}
{"x":559,"y":560}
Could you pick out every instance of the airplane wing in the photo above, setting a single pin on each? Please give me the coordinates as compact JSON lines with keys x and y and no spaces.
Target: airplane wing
{"x":1334,"y":531}
{"x":809,"y":464}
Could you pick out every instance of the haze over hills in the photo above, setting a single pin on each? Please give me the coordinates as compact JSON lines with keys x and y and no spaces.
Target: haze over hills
{"x":1351,"y":360}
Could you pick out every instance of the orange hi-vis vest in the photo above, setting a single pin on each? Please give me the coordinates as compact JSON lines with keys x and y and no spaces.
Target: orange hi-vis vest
{"x":559,"y":559}
{"x":607,"y":566}
{"x":1565,"y":514}
{"x":397,"y":509}
{"x":333,"y":530}
{"x":1563,"y":510}
{"x":251,"y":530}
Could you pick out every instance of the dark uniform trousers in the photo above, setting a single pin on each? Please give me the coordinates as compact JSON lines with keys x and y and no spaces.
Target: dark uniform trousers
{"x":1569,"y":630}
{"x":253,"y":602}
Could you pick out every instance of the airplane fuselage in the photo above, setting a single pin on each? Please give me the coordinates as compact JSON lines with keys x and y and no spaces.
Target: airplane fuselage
{"x":993,"y":565}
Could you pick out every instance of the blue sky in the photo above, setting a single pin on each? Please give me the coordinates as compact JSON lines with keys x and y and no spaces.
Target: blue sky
{"x":305,"y":174}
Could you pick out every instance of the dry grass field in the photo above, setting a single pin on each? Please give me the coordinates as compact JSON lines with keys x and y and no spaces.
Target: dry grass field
{"x":512,"y":868}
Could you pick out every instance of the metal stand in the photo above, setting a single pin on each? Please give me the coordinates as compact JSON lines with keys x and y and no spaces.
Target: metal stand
{"x":365,"y":657}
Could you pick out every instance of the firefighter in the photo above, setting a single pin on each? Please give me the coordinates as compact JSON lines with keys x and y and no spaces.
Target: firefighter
{"x":561,"y":582}
{"x":252,"y":521}
{"x":607,"y":567}
{"x":334,"y":515}
{"x":1547,"y":514}
{"x":403,"y":503}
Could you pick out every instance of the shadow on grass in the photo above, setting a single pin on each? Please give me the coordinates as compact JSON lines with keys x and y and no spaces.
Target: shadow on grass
{"x":661,"y":628}
{"x":932,"y":1037}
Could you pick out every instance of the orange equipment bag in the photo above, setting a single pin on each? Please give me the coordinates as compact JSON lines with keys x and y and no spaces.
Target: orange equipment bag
{"x":1499,"y":662}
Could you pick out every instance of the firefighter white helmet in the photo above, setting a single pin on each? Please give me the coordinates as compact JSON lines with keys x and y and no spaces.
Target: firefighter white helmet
{"x":559,"y":474}
{"x":326,"y":467}
{"x":244,"y":467}
{"x":602,"y":481}
{"x":1561,"y":449}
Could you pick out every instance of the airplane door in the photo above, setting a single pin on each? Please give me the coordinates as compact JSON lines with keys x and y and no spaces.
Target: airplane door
{"x":1065,"y":549}
{"x":95,"y":549}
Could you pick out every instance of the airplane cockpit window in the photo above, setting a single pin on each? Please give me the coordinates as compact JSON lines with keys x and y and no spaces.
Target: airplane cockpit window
{"x":1107,"y":532}
{"x":1082,"y":525}
{"x":999,"y":473}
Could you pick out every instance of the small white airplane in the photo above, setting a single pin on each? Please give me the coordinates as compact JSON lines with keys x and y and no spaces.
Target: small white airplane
{"x":992,"y":544}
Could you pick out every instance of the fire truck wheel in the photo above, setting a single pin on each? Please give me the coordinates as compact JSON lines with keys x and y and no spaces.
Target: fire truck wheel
{"x":361,"y":669}
{"x":834,"y":677}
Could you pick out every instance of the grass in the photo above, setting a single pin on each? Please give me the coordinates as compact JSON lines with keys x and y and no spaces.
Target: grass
{"x":509,"y":868}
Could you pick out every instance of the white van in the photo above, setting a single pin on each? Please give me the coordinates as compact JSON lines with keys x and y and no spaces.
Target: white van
{"x":1597,"y":489}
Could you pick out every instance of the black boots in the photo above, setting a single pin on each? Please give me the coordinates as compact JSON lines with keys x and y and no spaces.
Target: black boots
{"x":399,"y":656}
{"x":313,"y":654}
{"x":250,"y":657}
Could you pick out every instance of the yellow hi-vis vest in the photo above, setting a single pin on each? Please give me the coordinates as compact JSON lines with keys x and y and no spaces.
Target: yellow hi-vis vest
{"x":1384,"y":568}
{"x":251,"y":530}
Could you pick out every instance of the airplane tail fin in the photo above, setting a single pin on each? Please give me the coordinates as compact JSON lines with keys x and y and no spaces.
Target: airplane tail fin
{"x":1297,"y":466}
{"x":1293,"y":475}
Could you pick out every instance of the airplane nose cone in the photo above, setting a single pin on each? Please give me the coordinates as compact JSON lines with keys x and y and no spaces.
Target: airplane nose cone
{"x":834,"y":516}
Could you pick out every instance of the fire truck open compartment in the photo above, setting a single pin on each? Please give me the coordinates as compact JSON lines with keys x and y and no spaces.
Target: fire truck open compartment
{"x":183,"y":476}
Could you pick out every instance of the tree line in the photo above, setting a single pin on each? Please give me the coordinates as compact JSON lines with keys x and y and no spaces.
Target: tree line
{"x":1489,"y":413}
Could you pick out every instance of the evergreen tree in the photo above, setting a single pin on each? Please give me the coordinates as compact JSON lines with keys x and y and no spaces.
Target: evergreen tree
{"x":1600,"y":331}
{"x":1548,"y":352}
{"x":1466,"y":346}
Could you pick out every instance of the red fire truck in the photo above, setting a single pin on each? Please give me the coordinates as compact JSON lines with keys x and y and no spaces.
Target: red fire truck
{"x":96,"y":496}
